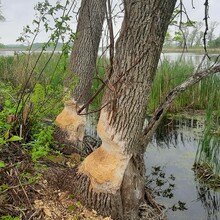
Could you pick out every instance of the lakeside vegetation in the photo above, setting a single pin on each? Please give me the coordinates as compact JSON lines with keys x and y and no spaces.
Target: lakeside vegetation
{"x":44,"y":94}
{"x":38,"y":46}
{"x":196,"y":50}
{"x":15,"y":69}
{"x":34,"y":46}
{"x":170,"y":74}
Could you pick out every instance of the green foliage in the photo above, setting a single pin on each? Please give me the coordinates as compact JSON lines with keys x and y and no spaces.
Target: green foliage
{"x":3,"y":187}
{"x":2,"y":164}
{"x":169,"y":75}
{"x":214,"y":43}
{"x":208,"y":151}
{"x":46,"y":101}
{"x":8,"y":108}
{"x":42,"y":139}
{"x":9,"y":217}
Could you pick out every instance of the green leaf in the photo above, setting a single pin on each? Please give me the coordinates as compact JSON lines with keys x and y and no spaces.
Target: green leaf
{"x":7,"y":135}
{"x":2,"y":164}
{"x":15,"y":138}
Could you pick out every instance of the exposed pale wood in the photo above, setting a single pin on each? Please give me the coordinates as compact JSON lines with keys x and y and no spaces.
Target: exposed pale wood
{"x":105,"y":169}
{"x":82,"y":67}
{"x":72,"y":123}
{"x":115,"y":172}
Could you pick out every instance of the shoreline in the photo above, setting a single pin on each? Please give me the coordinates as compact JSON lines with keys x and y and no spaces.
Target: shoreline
{"x":191,"y":50}
{"x":164,"y":50}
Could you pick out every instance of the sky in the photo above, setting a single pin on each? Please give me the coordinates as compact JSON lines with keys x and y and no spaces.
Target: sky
{"x":19,"y":13}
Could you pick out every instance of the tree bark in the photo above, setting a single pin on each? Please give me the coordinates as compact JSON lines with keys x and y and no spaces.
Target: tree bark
{"x":82,"y":67}
{"x":113,"y":175}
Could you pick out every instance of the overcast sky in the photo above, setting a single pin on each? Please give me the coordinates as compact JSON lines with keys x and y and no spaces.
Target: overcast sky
{"x":19,"y":13}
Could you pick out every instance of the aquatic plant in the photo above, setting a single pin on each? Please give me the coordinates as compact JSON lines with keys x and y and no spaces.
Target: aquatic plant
{"x":208,"y":152}
{"x":169,"y":75}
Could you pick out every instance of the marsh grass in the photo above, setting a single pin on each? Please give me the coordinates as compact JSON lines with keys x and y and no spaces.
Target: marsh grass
{"x":17,"y":69}
{"x":37,"y":88}
{"x":203,"y":96}
{"x":46,"y":76}
{"x":208,"y":152}
{"x":169,"y":75}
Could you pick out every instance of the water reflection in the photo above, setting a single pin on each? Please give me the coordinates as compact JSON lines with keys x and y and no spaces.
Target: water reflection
{"x":210,"y":201}
{"x":193,"y":58}
{"x":174,"y":147}
{"x":171,"y":132}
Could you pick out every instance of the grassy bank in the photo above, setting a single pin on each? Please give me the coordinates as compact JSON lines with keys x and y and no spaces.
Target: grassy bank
{"x":49,"y":74}
{"x":31,"y":95}
{"x":169,"y":75}
{"x":199,"y":50}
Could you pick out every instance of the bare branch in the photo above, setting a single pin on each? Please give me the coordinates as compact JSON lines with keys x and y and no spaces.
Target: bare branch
{"x":163,"y":107}
{"x":111,"y":33}
{"x":206,"y":26}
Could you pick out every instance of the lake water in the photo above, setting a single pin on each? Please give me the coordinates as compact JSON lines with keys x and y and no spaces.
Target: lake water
{"x":188,"y":57}
{"x":173,"y":148}
{"x":6,"y":53}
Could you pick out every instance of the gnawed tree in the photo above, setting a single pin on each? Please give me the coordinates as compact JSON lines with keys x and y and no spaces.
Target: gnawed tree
{"x":111,"y":179}
{"x":82,"y":67}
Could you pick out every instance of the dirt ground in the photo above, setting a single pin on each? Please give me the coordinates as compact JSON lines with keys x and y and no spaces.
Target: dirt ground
{"x":26,"y":194}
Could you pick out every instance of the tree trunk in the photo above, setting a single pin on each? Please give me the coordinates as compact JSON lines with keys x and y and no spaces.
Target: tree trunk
{"x":111,"y":179}
{"x":82,"y":67}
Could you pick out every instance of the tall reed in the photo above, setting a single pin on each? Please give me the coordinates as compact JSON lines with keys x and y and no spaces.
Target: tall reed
{"x":208,"y":152}
{"x":169,"y":75}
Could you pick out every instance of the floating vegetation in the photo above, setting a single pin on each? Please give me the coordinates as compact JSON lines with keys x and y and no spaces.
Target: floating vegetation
{"x":207,"y":161}
{"x":206,"y":176}
{"x":162,"y":185}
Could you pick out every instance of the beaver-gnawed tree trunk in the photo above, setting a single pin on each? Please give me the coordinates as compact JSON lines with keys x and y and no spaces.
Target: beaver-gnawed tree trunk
{"x":111,"y":179}
{"x":82,"y":67}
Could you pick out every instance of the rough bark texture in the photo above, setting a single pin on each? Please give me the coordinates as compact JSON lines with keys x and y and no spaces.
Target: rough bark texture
{"x":82,"y":67}
{"x":85,"y":48}
{"x":116,"y":168}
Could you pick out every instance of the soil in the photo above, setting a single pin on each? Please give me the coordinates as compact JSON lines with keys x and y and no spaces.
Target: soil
{"x":25,"y":191}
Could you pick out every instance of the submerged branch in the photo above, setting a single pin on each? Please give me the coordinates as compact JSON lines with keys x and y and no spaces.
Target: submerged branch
{"x":163,"y":107}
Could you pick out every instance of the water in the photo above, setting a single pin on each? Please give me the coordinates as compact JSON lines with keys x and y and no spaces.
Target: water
{"x":188,"y":57}
{"x":193,"y":58}
{"x":6,"y":53}
{"x":173,"y":148}
{"x":16,"y":52}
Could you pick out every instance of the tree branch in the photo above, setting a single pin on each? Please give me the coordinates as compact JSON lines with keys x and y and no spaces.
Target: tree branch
{"x":163,"y":107}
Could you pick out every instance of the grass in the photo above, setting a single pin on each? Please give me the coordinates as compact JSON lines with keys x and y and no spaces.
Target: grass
{"x":203,"y":96}
{"x":208,"y":152}
{"x":169,"y":75}
{"x":15,"y":70}
{"x":45,"y":91}
{"x":198,"y":50}
{"x":28,"y":137}
{"x":35,"y":83}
